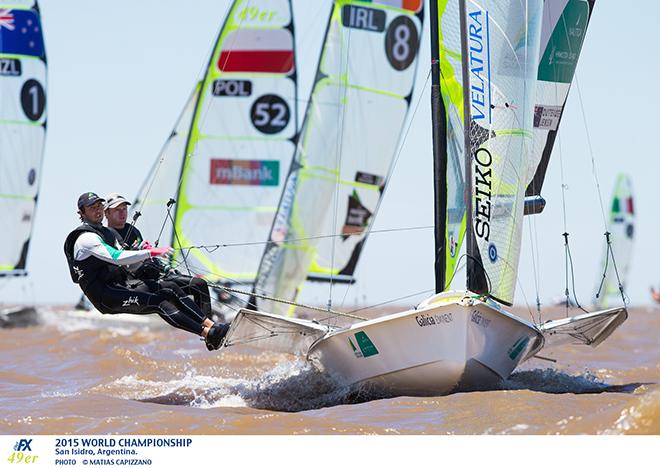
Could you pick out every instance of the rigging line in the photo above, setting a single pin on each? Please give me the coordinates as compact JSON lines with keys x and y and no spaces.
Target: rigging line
{"x":338,"y":158}
{"x":370,"y":230}
{"x":405,"y":137}
{"x":162,"y":228}
{"x":393,"y":163}
{"x":214,"y":247}
{"x":529,"y":309}
{"x":607,"y":261}
{"x":570,"y":258}
{"x":609,"y":251}
{"x":427,"y":291}
{"x":285,"y":301}
{"x":178,"y":241}
{"x":591,"y":151}
{"x":536,"y":279}
{"x":564,"y":188}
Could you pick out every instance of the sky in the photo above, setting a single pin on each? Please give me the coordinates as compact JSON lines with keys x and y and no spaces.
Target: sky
{"x":120,"y":74}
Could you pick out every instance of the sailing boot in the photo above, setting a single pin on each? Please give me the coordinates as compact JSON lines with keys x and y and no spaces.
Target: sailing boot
{"x":216,"y":335}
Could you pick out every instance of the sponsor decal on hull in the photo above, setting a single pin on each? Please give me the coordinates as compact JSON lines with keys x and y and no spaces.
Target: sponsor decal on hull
{"x":518,"y":347}
{"x":425,"y":320}
{"x":365,"y":346}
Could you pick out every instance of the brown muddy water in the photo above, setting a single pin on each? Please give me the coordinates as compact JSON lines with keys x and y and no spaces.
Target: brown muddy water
{"x":72,"y":375}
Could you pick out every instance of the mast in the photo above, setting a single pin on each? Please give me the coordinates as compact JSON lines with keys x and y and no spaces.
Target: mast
{"x":470,"y":245}
{"x":439,"y":125}
{"x":475,"y":273}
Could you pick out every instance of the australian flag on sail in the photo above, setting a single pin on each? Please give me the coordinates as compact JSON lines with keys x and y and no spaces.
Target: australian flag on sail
{"x":20,"y":33}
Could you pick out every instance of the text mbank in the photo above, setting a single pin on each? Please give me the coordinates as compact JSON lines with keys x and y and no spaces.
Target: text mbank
{"x":237,"y":173}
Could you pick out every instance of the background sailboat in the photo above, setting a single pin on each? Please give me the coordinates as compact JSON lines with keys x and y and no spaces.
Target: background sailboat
{"x":23,"y":71}
{"x":622,"y":233}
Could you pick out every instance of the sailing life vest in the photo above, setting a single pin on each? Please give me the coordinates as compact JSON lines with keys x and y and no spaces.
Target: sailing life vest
{"x":92,"y":269}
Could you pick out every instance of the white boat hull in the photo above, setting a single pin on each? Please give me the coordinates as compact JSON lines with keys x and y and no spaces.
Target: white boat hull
{"x":449,"y":342}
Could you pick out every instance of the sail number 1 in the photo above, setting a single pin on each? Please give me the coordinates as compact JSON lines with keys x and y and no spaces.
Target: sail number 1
{"x":33,"y":99}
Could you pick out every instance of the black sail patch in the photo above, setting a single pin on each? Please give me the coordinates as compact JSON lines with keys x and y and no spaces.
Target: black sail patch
{"x":357,"y":217}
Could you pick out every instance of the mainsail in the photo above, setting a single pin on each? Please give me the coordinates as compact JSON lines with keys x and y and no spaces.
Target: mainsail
{"x":622,"y":232}
{"x":563,"y":28}
{"x":500,"y":44}
{"x":22,"y":127}
{"x":562,"y":34}
{"x":359,"y":102}
{"x":226,"y":160}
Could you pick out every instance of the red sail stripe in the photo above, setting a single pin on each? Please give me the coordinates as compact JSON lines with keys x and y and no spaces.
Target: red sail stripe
{"x":412,"y":5}
{"x":631,"y":208}
{"x":256,"y":61}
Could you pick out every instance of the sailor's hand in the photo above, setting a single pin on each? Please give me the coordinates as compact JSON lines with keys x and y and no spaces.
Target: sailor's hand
{"x":146,"y":245}
{"x":159,"y":251}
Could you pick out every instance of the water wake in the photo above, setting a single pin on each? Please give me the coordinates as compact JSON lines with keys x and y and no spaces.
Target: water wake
{"x":290,"y":387}
{"x":554,"y":381}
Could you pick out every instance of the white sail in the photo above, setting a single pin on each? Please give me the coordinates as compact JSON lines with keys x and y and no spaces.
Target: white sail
{"x":358,"y":106}
{"x":563,"y":30}
{"x":621,"y":227}
{"x":22,"y":127}
{"x":226,"y":161}
{"x":163,"y":180}
{"x":502,"y":45}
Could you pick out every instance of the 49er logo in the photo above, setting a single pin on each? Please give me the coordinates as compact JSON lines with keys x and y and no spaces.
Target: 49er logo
{"x":20,"y":456}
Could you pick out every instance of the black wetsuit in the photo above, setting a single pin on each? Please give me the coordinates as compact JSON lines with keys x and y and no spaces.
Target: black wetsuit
{"x":107,"y":285}
{"x":156,"y":270}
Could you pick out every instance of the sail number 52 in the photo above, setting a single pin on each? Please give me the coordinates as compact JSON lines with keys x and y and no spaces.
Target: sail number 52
{"x":270,"y":114}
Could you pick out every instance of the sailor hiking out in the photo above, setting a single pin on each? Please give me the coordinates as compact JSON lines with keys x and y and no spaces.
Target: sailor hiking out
{"x":156,"y":273}
{"x":104,"y":270}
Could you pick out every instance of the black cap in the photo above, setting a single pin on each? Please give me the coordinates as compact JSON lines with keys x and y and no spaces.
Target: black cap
{"x":88,"y":199}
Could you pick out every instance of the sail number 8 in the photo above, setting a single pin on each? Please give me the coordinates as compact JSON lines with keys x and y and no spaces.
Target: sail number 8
{"x":270,"y":114}
{"x":401,"y":42}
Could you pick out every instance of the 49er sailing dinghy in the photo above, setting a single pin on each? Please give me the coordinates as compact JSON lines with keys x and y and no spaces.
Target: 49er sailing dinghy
{"x":22,"y":136}
{"x":485,"y":63}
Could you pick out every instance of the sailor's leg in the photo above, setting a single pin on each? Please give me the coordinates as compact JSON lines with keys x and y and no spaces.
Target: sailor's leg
{"x":196,"y":287}
{"x":138,"y":300}
{"x":173,"y":315}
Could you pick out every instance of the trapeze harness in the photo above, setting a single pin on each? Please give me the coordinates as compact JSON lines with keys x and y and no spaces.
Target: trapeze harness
{"x":96,"y":266}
